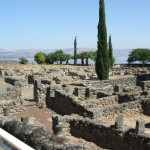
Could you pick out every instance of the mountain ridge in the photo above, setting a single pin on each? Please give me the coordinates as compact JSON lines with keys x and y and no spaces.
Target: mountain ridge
{"x":32,"y":52}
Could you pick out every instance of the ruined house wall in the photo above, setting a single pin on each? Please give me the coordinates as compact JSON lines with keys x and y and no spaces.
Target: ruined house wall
{"x":40,"y":89}
{"x":16,"y":82}
{"x":108,"y":136}
{"x":64,"y":104}
{"x":122,"y":81}
{"x":146,"y":107}
{"x":10,"y":96}
{"x":36,"y":137}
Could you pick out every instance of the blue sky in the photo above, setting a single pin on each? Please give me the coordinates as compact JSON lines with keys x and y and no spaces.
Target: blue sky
{"x":53,"y":24}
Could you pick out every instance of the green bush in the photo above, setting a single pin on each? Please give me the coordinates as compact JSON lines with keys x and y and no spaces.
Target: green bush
{"x":40,"y":58}
{"x":22,"y":60}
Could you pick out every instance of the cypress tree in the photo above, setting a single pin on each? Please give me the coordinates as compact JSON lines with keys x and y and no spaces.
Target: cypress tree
{"x":102,"y":59}
{"x":111,"y":60}
{"x":75,"y":51}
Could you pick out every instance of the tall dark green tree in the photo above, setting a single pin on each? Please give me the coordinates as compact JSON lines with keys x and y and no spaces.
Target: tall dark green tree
{"x":110,"y":49}
{"x":75,"y":51}
{"x":102,"y":59}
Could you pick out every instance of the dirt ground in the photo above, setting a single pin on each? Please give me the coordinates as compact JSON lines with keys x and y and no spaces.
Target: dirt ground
{"x":43,"y":116}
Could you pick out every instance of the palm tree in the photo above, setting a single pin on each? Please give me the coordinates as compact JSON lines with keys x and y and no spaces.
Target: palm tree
{"x":82,"y":56}
{"x":67,"y":57}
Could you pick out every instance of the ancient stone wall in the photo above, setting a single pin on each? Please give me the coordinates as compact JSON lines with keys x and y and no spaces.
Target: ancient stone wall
{"x":40,"y":89}
{"x":146,"y":107}
{"x":122,"y":81}
{"x":16,"y":82}
{"x":105,"y":135}
{"x":106,"y":107}
{"x":108,"y":136}
{"x":128,"y":109}
{"x":129,"y":70}
{"x":64,"y":104}
{"x":10,"y":96}
{"x":36,"y":137}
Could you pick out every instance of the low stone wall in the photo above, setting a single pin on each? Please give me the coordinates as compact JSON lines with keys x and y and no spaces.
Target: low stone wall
{"x":128,"y":96}
{"x":145,"y":85}
{"x":16,"y":82}
{"x":122,"y":81}
{"x":108,"y":136}
{"x":131,"y":69}
{"x":64,"y":104}
{"x":146,"y":107}
{"x":10,"y":96}
{"x":30,"y":79}
{"x":36,"y":137}
{"x":112,"y":112}
{"x":105,"y":136}
{"x":91,"y":92}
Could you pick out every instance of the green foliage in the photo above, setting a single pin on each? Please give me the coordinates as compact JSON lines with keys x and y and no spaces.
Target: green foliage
{"x":93,"y":55}
{"x":49,"y":58}
{"x":110,"y":50}
{"x":67,"y":58}
{"x":82,"y":56}
{"x":140,"y":54}
{"x":59,"y":55}
{"x":102,"y":59}
{"x":75,"y":51}
{"x":40,"y":57}
{"x":22,"y":60}
{"x":113,"y":60}
{"x":89,"y":55}
{"x":86,"y":55}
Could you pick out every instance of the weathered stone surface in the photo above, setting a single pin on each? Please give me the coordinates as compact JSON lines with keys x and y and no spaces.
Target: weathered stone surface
{"x":118,"y":88}
{"x":119,"y":123}
{"x":140,"y":126}
{"x":6,"y":111}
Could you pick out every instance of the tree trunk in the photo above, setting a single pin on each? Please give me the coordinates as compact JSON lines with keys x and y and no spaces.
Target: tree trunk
{"x":82,"y":62}
{"x":143,"y":63}
{"x":87,"y":61}
{"x":67,"y":62}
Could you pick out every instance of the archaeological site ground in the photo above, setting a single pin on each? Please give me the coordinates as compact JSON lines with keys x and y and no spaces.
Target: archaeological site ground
{"x":60,"y":107}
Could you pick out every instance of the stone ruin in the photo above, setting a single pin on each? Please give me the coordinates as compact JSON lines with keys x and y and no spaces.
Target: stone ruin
{"x":112,"y":114}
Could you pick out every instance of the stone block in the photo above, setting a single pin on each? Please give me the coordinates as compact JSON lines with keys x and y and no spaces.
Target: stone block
{"x":28,"y":120}
{"x":118,"y":88}
{"x":59,"y":139}
{"x":140,"y":126}
{"x":52,"y":93}
{"x":43,"y":105}
{"x":25,"y":120}
{"x":6,"y":111}
{"x":119,"y":122}
{"x":58,"y":130}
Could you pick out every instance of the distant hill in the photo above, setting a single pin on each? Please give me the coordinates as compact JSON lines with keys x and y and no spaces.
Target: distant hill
{"x":4,"y":54}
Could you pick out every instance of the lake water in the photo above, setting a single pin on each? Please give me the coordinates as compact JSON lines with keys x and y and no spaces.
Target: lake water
{"x":118,"y":60}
